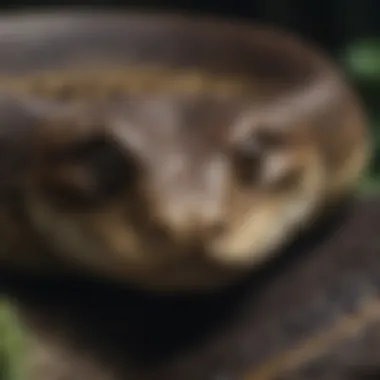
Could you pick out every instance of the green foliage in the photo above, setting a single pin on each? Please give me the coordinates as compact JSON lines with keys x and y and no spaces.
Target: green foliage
{"x":12,"y":345}
{"x":363,"y":60}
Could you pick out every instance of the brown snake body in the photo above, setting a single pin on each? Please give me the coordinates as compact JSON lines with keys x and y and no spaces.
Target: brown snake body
{"x":312,"y":313}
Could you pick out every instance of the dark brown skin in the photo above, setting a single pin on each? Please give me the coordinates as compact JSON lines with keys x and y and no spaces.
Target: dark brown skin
{"x":322,"y":296}
{"x":176,"y":167}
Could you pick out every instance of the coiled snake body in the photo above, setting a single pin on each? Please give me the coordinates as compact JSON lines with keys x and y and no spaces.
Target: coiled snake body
{"x":205,"y":162}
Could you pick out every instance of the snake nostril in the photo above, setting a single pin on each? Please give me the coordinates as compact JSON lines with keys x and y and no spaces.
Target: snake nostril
{"x":216,"y":229}
{"x":158,"y":234}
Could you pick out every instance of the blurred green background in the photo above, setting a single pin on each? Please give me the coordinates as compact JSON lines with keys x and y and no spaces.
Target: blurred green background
{"x":347,"y":29}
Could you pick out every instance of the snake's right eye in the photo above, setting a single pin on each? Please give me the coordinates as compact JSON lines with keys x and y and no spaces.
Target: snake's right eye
{"x":91,"y":171}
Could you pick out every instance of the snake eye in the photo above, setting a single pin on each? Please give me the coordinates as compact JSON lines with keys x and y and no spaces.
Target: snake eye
{"x":252,"y":154}
{"x":248,"y":160}
{"x":90,"y":171}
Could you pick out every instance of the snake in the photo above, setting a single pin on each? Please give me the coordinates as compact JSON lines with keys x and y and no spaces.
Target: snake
{"x":172,"y":194}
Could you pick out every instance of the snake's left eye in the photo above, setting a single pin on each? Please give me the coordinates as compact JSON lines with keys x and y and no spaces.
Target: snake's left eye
{"x":248,"y":158}
{"x":253,"y":156}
